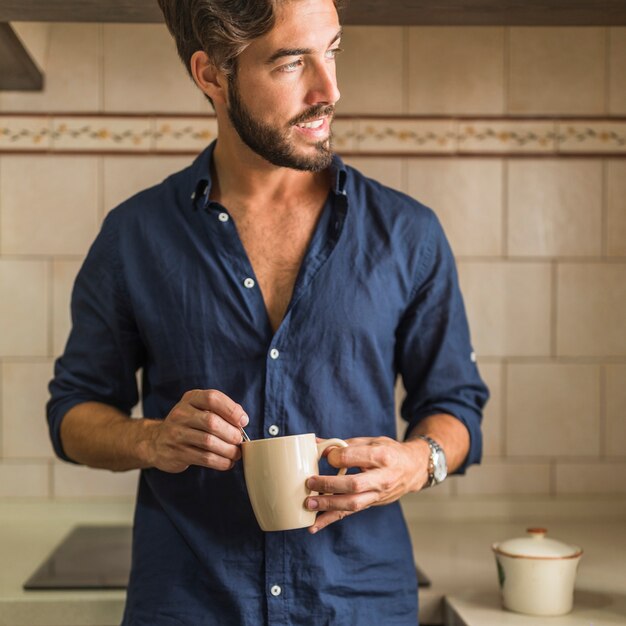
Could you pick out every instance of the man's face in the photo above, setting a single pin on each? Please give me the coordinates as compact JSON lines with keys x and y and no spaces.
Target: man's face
{"x":282,"y":98}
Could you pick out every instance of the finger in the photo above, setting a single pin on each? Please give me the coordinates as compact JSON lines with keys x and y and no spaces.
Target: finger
{"x":352,"y":502}
{"x":355,"y":456}
{"x":211,"y":460}
{"x":325,"y":519}
{"x":371,"y":480}
{"x":215,"y":424}
{"x":212,"y":443}
{"x":218,"y":402}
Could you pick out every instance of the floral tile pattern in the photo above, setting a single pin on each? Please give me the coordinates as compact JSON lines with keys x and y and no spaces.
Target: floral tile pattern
{"x":24,"y":133}
{"x":592,"y":137}
{"x":102,"y":133}
{"x":371,"y":136}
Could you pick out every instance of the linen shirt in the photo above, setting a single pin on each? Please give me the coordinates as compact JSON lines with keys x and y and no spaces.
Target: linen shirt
{"x":167,"y":288}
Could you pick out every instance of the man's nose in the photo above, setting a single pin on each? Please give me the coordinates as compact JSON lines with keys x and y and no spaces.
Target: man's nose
{"x":323,"y":89}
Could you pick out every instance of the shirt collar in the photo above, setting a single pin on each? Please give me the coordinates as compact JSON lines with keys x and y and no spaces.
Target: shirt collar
{"x":201,"y":177}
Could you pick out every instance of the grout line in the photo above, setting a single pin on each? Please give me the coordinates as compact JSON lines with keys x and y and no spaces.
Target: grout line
{"x":607,"y":70}
{"x":504,"y":390}
{"x":504,"y":247}
{"x":603,"y":416}
{"x":406,"y":74}
{"x":101,"y":67}
{"x":506,"y":66}
{"x":1,"y":409}
{"x":554,"y":308}
{"x":604,"y":209}
{"x":50,"y":306}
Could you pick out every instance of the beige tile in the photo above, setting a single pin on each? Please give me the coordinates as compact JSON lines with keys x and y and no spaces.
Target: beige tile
{"x":77,"y":481}
{"x":387,"y":171}
{"x":58,"y":214}
{"x":508,"y":306}
{"x":124,"y":176}
{"x":591,"y":309}
{"x":142,"y":71}
{"x":493,"y":416}
{"x":380,"y":136}
{"x":506,"y":137}
{"x":24,"y":397}
{"x":182,"y":134}
{"x":510,"y":478}
{"x":69,"y":55}
{"x":360,"y":91}
{"x":615,"y":402}
{"x":616,"y":208}
{"x":23,"y":308}
{"x":63,"y":276}
{"x":128,"y":134}
{"x":591,"y":478}
{"x":20,"y":479}
{"x":24,"y":133}
{"x":557,"y":70}
{"x":555,"y":207}
{"x":553,"y":410}
{"x":466,"y":194}
{"x":617,"y":71}
{"x":456,"y":70}
{"x":595,"y":137}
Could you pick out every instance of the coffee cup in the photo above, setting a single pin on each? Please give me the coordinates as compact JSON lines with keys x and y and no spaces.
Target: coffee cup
{"x":276,"y":471}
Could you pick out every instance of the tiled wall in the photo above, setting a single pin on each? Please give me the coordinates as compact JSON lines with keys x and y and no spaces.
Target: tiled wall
{"x":526,"y":169}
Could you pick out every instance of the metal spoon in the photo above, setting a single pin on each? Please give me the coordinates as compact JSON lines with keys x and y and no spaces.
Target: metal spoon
{"x":244,"y":434}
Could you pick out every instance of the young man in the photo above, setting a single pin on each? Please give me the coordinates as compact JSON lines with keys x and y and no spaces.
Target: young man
{"x":268,"y":286}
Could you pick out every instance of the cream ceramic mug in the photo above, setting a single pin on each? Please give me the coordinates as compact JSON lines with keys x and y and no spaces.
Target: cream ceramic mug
{"x":276,"y":471}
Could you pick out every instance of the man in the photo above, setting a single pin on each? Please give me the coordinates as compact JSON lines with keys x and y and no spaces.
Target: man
{"x":270,"y":287}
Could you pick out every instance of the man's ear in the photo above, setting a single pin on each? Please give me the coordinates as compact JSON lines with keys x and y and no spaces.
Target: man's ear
{"x":209,"y":79}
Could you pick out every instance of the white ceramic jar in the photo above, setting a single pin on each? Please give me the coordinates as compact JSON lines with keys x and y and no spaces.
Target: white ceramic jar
{"x":537,"y":574}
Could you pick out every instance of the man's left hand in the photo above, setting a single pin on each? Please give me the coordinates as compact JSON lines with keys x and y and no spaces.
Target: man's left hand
{"x":389,"y":470}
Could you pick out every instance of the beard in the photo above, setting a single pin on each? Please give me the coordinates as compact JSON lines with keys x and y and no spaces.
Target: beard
{"x":271,"y":143}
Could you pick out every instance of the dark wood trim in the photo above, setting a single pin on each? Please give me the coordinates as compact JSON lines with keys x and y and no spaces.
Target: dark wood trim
{"x":18,"y":71}
{"x":357,"y":12}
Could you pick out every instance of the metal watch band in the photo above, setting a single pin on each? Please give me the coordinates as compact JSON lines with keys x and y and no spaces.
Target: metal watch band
{"x":434,"y":448}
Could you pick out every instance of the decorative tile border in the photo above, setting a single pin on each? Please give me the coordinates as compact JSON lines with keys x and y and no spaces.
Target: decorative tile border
{"x":353,"y":135}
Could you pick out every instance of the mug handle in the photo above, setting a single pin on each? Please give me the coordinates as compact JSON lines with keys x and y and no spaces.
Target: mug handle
{"x":329,"y":443}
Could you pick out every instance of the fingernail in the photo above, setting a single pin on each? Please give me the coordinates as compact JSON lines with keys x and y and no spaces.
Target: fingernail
{"x":314,"y":530}
{"x":312,"y":503}
{"x":309,"y":483}
{"x":244,"y":421}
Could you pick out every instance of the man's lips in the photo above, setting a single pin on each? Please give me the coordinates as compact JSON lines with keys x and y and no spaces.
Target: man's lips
{"x":318,"y":127}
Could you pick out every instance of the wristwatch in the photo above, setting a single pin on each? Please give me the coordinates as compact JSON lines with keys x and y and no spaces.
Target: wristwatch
{"x":437,"y":465}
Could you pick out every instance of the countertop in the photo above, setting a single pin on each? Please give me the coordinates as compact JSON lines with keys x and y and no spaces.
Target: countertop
{"x":455,"y":555}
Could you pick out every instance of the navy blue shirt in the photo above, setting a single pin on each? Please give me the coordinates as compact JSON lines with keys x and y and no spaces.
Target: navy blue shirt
{"x":166,"y":288}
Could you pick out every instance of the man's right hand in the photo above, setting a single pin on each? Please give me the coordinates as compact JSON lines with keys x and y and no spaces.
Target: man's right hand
{"x":202,"y":429}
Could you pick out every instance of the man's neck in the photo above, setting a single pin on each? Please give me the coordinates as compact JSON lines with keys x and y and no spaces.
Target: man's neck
{"x":242,"y":177}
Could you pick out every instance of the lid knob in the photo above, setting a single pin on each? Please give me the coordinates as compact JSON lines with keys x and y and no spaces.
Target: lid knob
{"x":537,"y":532}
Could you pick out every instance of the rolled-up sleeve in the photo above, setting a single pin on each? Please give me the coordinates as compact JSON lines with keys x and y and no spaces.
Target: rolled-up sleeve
{"x":434,"y":353}
{"x":104,"y":350}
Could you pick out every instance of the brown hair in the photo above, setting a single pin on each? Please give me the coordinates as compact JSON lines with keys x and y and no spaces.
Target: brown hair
{"x":221,"y":28}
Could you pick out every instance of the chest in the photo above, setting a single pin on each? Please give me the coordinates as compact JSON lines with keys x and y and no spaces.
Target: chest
{"x":276,"y":246}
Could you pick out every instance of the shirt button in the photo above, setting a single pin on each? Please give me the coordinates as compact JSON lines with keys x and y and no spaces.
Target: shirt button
{"x":223,"y":217}
{"x":273,"y":430}
{"x":274,"y":354}
{"x":248,"y":283}
{"x":473,"y":357}
{"x":276,"y":590}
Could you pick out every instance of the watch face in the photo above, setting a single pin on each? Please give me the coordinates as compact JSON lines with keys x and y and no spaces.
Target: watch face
{"x":440,"y":470}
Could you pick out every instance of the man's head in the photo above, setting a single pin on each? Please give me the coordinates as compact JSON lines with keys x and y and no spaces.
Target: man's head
{"x":267,"y":66}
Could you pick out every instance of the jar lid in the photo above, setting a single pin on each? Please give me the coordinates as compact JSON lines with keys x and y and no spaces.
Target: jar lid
{"x":535,"y":545}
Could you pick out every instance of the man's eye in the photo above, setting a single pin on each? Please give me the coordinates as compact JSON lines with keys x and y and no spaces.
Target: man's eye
{"x":290,"y":67}
{"x":331,"y":54}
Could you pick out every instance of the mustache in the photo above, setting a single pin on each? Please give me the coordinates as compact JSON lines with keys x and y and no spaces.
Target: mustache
{"x":315,"y":112}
